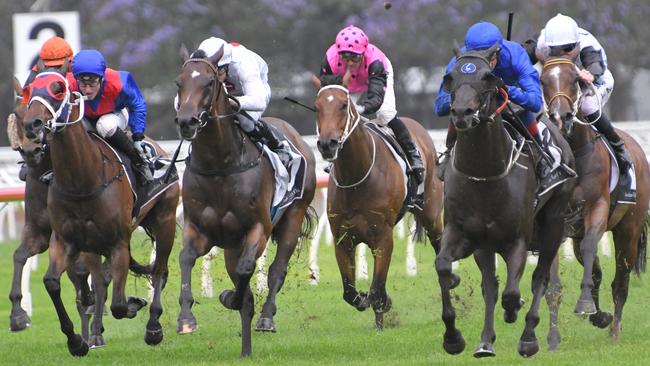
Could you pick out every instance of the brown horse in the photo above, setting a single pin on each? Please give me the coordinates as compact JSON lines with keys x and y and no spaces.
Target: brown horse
{"x":36,"y":232}
{"x":90,"y":207}
{"x":228,"y":187}
{"x":365,"y":195}
{"x":600,"y":212}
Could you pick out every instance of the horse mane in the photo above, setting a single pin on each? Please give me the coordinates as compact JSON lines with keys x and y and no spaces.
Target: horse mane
{"x":199,"y":54}
{"x":326,"y":80}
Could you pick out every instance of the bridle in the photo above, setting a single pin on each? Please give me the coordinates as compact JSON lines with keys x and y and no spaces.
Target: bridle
{"x":574,"y":103}
{"x":204,"y":116}
{"x":351,"y":123}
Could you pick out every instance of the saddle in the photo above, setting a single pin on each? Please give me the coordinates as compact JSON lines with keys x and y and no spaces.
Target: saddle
{"x":414,"y":192}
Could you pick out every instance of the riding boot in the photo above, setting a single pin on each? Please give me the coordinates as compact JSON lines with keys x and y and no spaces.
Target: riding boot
{"x":267,"y":135}
{"x":403,"y":137}
{"x":450,"y":141}
{"x":122,"y":142}
{"x":604,"y":126}
{"x":22,"y":173}
{"x":549,"y":173}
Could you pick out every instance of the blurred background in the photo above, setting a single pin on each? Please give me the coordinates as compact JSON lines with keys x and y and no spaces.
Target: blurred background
{"x":144,"y":36}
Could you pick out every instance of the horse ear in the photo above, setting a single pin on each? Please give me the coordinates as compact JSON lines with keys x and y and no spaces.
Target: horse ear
{"x":40,"y":66}
{"x":346,"y":78}
{"x":575,"y":52}
{"x":183,"y":53}
{"x":446,"y":83}
{"x":214,"y":59}
{"x":456,"y":49}
{"x":492,"y":50}
{"x":18,"y":89}
{"x":316,"y":81}
{"x":540,"y":55}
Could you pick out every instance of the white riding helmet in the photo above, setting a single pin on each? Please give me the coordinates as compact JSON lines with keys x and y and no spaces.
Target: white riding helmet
{"x":561,"y":30}
{"x":211,"y":45}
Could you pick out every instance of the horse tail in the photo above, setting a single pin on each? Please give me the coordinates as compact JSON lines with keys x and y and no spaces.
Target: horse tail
{"x":309,"y":223}
{"x":140,"y":269}
{"x":642,"y":250}
{"x":418,"y":234}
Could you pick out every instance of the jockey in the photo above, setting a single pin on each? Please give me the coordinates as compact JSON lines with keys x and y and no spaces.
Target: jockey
{"x":511,"y":63}
{"x":560,"y":36}
{"x":245,"y":75}
{"x":107,"y":92}
{"x":54,"y":53}
{"x":371,"y":86}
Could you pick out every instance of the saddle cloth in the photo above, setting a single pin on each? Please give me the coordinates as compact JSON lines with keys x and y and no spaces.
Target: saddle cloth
{"x":289,"y":181}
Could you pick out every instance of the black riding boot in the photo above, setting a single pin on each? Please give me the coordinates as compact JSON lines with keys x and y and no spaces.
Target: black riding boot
{"x":549,"y":177}
{"x":604,"y":126}
{"x":267,"y":135}
{"x":403,"y":137}
{"x":122,"y":142}
{"x":443,"y":160}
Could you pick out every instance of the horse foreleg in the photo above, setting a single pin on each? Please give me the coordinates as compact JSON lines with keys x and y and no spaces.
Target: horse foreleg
{"x":511,"y":298}
{"x":626,"y":242}
{"x":601,"y":319}
{"x":29,"y":246}
{"x":119,"y":269}
{"x":79,"y":280}
{"x":59,"y":260}
{"x":490,"y":289}
{"x":452,"y":248}
{"x":288,"y":233}
{"x":553,"y":300}
{"x":382,"y":253}
{"x":194,"y":246}
{"x":164,"y":240}
{"x":595,"y":224}
{"x":345,"y":252}
{"x":100,"y":285}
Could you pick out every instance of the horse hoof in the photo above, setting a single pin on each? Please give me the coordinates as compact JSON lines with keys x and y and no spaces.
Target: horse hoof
{"x":265,"y":325}
{"x":19,"y":322}
{"x":585,"y":307}
{"x":553,"y":339}
{"x":227,"y":299}
{"x":510,"y":316}
{"x":153,"y":336}
{"x":454,"y":346}
{"x":134,"y":304}
{"x":186,"y":326}
{"x":77,"y":346}
{"x":601,"y":319}
{"x":485,"y":349}
{"x":455,"y":281}
{"x":528,"y":348}
{"x":96,"y":341}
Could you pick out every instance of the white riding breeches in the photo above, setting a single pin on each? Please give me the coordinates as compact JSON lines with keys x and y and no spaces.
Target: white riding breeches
{"x":109,"y":123}
{"x":592,"y":103}
{"x":388,"y":110}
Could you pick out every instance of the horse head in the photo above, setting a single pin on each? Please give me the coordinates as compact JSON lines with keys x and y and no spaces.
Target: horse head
{"x":473,"y":88}
{"x":32,"y":153}
{"x":336,"y":116}
{"x":49,"y":109}
{"x":199,"y":88}
{"x":561,"y":89}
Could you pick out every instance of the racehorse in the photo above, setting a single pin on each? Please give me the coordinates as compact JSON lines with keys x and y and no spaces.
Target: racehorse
{"x":366,"y":191}
{"x":36,"y":231}
{"x":600,"y":212}
{"x":490,"y":205}
{"x":228,"y":188}
{"x":90,"y":206}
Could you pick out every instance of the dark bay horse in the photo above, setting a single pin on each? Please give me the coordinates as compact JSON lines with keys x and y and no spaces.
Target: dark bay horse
{"x":36,"y":232}
{"x":490,"y":199}
{"x":599,"y":211}
{"x":90,"y":209}
{"x":228,"y":188}
{"x":366,"y":191}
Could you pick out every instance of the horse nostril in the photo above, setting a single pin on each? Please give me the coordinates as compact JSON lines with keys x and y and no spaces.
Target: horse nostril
{"x":332,"y":144}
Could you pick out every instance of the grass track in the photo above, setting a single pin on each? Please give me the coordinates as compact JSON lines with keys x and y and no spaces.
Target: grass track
{"x":316,"y":327}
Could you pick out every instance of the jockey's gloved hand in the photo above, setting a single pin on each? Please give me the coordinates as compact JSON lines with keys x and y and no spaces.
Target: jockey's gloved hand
{"x":360,"y":108}
{"x":138,"y":143}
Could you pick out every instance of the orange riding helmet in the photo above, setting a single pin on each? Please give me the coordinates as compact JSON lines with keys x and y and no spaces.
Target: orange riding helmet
{"x":54,"y":51}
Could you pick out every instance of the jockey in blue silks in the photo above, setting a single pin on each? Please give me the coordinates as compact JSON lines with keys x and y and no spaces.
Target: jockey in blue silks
{"x":512,"y":64}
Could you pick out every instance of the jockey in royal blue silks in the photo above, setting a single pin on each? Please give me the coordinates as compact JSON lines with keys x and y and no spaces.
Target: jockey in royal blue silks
{"x":108,"y":93}
{"x":512,"y":64}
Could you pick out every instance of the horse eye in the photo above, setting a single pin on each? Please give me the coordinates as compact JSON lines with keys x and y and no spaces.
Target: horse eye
{"x":344,"y":105}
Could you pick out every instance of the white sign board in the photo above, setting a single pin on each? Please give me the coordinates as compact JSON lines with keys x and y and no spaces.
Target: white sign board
{"x":31,"y":30}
